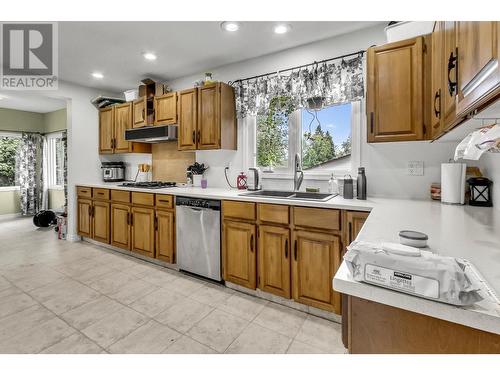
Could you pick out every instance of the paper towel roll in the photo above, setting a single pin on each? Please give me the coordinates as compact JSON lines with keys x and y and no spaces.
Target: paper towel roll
{"x":453,"y":183}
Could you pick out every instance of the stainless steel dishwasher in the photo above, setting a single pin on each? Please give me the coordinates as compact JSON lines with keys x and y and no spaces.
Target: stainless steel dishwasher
{"x":198,"y":236}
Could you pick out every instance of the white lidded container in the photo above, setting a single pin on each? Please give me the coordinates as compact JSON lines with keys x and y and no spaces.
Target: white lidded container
{"x":131,"y":95}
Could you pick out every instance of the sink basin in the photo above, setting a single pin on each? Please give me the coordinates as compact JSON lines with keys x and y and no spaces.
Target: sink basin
{"x":299,"y":195}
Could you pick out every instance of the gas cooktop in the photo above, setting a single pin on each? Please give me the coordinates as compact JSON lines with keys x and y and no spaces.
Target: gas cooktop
{"x":149,"y":185}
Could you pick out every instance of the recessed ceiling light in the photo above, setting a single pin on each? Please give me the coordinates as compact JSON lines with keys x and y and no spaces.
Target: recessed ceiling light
{"x":282,"y":28}
{"x":230,"y":26}
{"x":97,"y":75}
{"x":149,"y":56}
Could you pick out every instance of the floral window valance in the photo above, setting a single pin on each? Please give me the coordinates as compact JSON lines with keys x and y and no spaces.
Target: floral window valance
{"x":336,"y":82}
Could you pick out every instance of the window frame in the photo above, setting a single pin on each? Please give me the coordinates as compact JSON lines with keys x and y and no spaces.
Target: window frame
{"x":294,"y":144}
{"x":7,"y":134}
{"x":52,"y":161}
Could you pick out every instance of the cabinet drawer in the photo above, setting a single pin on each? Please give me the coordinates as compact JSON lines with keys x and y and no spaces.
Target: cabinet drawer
{"x":274,"y":213}
{"x":164,"y":201}
{"x":145,"y":199}
{"x":120,"y":196}
{"x":238,"y":210}
{"x":98,"y":193}
{"x":321,"y":218}
{"x":84,"y":192}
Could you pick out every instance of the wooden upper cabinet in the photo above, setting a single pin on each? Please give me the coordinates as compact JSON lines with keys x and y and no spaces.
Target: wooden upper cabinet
{"x":143,"y":230}
{"x":120,"y":226}
{"x":478,"y":45}
{"x":106,"y":130}
{"x":188,"y":118}
{"x":140,"y":117}
{"x":165,"y":109}
{"x":208,"y":117}
{"x":315,"y":257}
{"x":395,"y":91}
{"x":449,"y":75}
{"x":437,"y":43}
{"x":101,"y":221}
{"x":239,"y":253}
{"x":123,"y":121}
{"x":274,"y":260}
{"x":84,"y":217}
{"x":165,"y":236}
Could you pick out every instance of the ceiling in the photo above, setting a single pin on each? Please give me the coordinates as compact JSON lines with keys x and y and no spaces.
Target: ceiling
{"x":29,"y":102}
{"x":115,"y":48}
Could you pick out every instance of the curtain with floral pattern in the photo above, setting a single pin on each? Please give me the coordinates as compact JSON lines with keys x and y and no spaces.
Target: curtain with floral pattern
{"x":30,"y":173}
{"x":322,"y":85}
{"x":65,"y":166}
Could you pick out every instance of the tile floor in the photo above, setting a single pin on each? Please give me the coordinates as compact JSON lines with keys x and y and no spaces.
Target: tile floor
{"x":63,"y":297}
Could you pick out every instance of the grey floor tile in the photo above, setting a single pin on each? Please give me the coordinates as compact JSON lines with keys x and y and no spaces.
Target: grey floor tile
{"x":183,"y":315}
{"x":186,"y":285}
{"x":212,"y":295}
{"x":186,"y":345}
{"x":111,"y":282}
{"x":150,"y":338}
{"x":115,"y":326}
{"x":242,"y":305}
{"x":74,"y":344}
{"x":159,"y":300}
{"x":161,"y":277}
{"x":259,"y":340}
{"x":24,"y":320}
{"x":297,"y":347}
{"x":218,"y":330}
{"x":132,"y":291}
{"x":281,"y":319}
{"x":14,"y":303}
{"x":91,"y":312}
{"x":322,"y":334}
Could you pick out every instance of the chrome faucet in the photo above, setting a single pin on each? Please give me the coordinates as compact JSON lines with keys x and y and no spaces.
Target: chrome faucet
{"x":297,"y":179}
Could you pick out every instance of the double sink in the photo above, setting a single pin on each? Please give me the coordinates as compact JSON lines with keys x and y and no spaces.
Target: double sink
{"x":298,"y":195}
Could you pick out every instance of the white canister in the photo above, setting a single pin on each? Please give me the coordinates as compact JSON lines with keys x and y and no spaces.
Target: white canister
{"x":197,"y":180}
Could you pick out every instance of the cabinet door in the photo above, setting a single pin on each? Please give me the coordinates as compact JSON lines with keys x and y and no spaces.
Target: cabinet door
{"x":316,"y":256}
{"x":143,"y":230}
{"x":106,"y":130}
{"x":437,"y":42}
{"x":478,"y":45}
{"x":120,"y":226}
{"x":238,"y":252}
{"x":85,"y":217}
{"x":123,"y":121}
{"x":165,"y":236}
{"x":140,"y":118}
{"x":395,"y":91}
{"x":208,"y":135}
{"x":449,"y":75}
{"x":165,"y":109}
{"x":274,"y":260}
{"x":355,"y":221}
{"x":101,"y":221}
{"x":188,"y":110}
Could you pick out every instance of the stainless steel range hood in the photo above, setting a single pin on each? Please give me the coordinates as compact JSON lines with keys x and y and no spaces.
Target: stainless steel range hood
{"x":152,"y":134}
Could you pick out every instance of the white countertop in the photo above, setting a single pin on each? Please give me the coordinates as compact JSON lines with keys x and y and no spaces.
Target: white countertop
{"x":467,"y":232}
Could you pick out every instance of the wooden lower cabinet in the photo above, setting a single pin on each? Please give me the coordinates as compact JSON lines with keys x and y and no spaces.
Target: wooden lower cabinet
{"x":274,"y":260}
{"x":239,"y":253}
{"x":315,"y":257}
{"x":101,"y":221}
{"x":85,"y":217}
{"x":120,"y":226}
{"x":165,"y":236}
{"x":143,"y":231}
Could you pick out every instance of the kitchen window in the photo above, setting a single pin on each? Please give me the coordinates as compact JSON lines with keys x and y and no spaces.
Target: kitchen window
{"x":55,"y":154}
{"x":9,"y":149}
{"x":327,"y":140}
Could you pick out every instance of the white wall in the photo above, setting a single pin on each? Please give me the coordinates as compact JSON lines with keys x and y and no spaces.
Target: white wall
{"x":490,"y":166}
{"x":385,"y":163}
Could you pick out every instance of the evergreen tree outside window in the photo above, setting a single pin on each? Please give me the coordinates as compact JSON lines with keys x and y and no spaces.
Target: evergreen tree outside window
{"x":9,"y":147}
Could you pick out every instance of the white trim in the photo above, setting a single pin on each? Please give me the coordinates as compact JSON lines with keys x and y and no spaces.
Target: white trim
{"x":10,"y":188}
{"x":56,"y":187}
{"x":10,"y":134}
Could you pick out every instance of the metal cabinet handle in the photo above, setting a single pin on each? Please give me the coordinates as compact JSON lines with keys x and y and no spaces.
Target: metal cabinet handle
{"x":350,"y":233}
{"x":156,"y":223}
{"x":194,"y":136}
{"x":199,"y":136}
{"x":452,"y":64}
{"x":131,"y":219}
{"x":295,"y":250}
{"x":90,"y":210}
{"x":437,"y":95}
{"x":286,"y":248}
{"x":128,"y":218}
{"x":251,"y":243}
{"x":371,"y":122}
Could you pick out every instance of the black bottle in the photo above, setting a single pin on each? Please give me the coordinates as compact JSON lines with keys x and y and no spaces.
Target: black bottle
{"x":361,"y":183}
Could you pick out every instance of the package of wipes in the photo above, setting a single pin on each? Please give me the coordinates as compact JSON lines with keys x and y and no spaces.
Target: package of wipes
{"x":413,"y":271}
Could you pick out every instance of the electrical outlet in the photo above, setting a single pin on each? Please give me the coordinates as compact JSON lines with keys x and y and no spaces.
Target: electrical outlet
{"x":415,"y":168}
